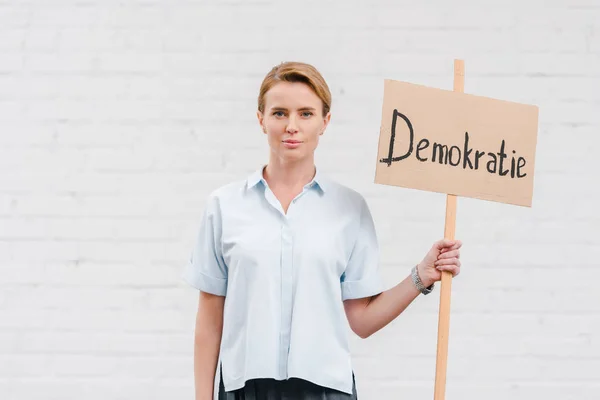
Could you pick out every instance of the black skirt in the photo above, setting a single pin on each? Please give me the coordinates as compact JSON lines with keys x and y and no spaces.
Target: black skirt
{"x":289,"y":389}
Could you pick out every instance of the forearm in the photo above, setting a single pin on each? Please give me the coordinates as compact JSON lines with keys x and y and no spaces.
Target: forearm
{"x":387,"y":306}
{"x":206,"y":356}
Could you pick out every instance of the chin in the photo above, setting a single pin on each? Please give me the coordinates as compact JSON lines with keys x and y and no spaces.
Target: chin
{"x":291,"y":155}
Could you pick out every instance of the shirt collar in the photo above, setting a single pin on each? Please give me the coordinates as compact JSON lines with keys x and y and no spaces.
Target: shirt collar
{"x":257,"y":176}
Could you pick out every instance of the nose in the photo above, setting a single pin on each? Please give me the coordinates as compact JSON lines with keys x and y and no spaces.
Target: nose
{"x":292,"y":127}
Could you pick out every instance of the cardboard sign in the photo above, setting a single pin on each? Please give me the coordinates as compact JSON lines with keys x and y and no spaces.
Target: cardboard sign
{"x":456,"y":143}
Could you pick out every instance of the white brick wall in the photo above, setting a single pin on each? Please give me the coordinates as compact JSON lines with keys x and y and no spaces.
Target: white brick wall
{"x":117,"y":118}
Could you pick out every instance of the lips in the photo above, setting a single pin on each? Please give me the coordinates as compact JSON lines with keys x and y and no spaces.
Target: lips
{"x":291,"y":144}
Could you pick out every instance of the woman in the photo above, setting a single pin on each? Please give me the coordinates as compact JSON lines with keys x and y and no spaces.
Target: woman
{"x":286,"y":259}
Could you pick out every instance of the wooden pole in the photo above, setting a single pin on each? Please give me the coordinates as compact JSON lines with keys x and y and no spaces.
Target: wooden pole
{"x":446,"y":285}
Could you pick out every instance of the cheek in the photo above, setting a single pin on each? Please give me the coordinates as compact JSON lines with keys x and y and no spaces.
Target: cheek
{"x":272,"y":137}
{"x":274,"y":126}
{"x":315,"y":131}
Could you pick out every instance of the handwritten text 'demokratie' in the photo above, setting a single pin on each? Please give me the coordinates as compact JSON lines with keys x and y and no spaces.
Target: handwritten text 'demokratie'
{"x":455,"y":143}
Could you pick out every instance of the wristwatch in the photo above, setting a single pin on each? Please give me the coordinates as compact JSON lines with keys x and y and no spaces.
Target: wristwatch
{"x":417,"y":281}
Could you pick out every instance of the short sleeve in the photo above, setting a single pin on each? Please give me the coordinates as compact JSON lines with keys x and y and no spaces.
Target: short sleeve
{"x":361,"y":277}
{"x":206,"y":269}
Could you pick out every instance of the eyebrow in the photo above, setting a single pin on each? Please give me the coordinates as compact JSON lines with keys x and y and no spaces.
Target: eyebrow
{"x":300,"y":109}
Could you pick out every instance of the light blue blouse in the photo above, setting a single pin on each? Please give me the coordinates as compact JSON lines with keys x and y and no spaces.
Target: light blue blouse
{"x":284,"y":278}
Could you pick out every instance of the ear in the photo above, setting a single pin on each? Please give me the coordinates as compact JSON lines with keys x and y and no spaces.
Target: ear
{"x":326,"y":122}
{"x":260,"y":117}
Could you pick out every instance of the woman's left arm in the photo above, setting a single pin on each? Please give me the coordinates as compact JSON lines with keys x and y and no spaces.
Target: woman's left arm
{"x":368,"y":315}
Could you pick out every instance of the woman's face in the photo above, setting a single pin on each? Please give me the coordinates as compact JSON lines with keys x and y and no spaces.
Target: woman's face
{"x":293,"y":120}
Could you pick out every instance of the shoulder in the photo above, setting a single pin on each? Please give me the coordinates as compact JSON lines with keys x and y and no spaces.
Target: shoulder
{"x":341,"y":190}
{"x":225,"y":194}
{"x":345,"y":195}
{"x":228,"y":190}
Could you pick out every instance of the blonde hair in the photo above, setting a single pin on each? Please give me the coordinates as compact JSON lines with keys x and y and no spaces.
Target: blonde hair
{"x":296,"y":72}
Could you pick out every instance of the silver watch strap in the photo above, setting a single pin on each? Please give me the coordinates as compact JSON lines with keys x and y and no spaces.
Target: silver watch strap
{"x":418,"y":283}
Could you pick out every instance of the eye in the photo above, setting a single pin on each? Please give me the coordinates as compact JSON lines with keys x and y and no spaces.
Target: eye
{"x":278,"y":113}
{"x":307,"y":114}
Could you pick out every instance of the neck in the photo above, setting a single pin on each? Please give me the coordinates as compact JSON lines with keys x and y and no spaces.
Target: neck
{"x":279,"y":173}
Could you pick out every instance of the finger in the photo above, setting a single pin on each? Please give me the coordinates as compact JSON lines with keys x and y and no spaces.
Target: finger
{"x":454,"y":269}
{"x":457,"y":245}
{"x":447,"y":261}
{"x":450,"y":254}
{"x":440,"y":244}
